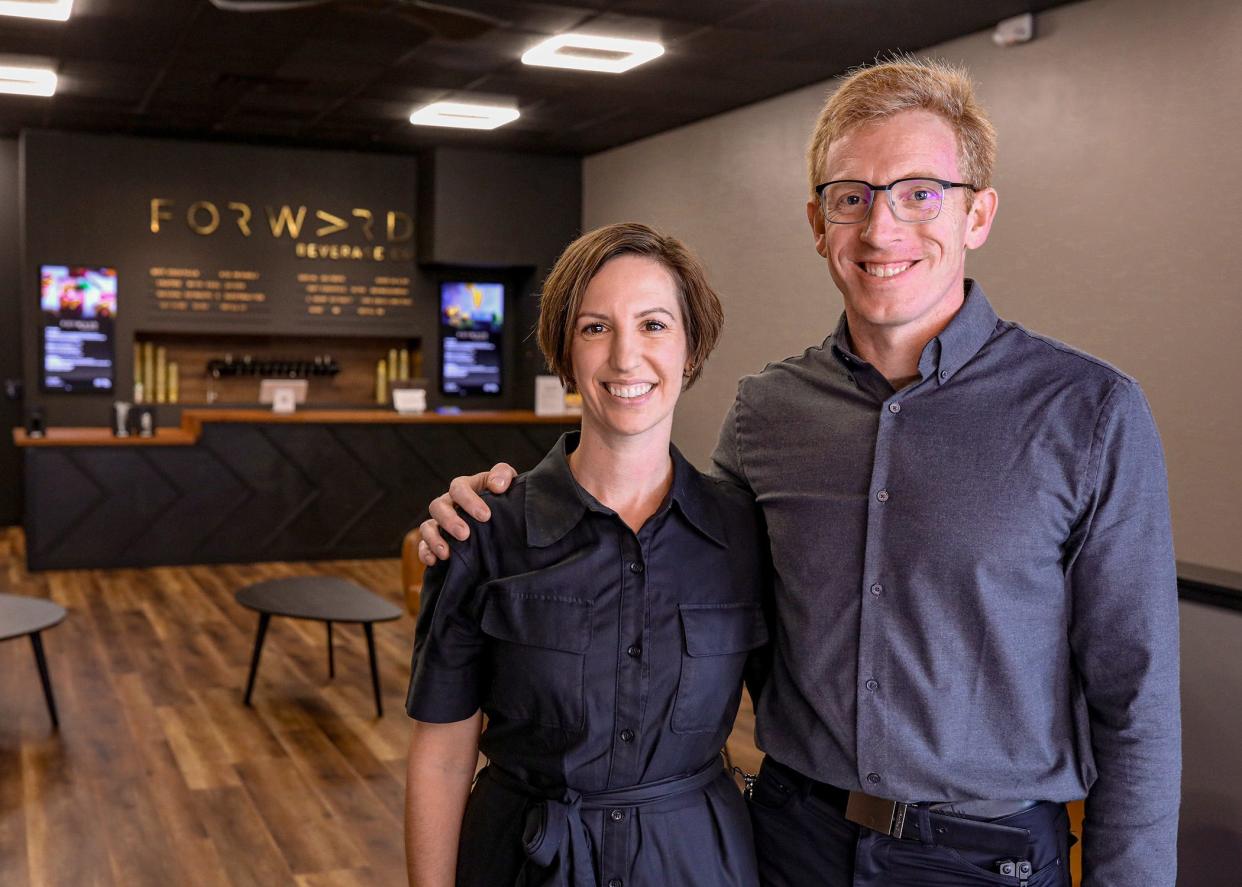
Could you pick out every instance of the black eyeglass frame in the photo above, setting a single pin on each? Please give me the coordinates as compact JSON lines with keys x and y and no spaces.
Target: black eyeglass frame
{"x":819,"y":195}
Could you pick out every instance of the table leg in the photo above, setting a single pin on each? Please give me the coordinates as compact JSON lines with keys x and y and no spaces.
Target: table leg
{"x":331,"y":657}
{"x":264,"y":618}
{"x":379,"y":706}
{"x":40,"y":660}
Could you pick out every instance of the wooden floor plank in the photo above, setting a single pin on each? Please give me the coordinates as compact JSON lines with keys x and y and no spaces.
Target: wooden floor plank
{"x":64,"y":842}
{"x":202,"y":758}
{"x":248,"y":854}
{"x":363,"y":877}
{"x":310,"y":837}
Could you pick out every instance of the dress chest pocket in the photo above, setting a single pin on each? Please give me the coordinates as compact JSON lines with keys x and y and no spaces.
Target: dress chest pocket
{"x":717,"y":639}
{"x":538,"y":648}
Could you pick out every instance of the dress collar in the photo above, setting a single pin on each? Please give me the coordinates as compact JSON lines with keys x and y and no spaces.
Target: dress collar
{"x":556,"y":503}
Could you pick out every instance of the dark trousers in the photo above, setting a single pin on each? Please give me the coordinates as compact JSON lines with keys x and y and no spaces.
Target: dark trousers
{"x":803,"y":840}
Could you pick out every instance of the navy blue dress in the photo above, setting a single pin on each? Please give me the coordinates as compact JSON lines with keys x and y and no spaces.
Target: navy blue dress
{"x":609,"y":665}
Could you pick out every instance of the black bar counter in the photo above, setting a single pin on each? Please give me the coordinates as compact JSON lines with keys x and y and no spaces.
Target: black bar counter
{"x":240,"y":486}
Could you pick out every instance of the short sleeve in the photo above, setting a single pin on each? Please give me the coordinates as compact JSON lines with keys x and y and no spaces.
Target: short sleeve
{"x":446,"y":672}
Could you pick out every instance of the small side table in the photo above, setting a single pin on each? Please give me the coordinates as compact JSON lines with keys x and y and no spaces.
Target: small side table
{"x":22,"y":615}
{"x":325,"y":599}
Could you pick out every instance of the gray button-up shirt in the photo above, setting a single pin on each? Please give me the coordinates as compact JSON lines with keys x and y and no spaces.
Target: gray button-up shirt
{"x":976,"y":592}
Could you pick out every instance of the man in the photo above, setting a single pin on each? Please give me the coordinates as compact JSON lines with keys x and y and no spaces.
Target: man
{"x":976,"y":597}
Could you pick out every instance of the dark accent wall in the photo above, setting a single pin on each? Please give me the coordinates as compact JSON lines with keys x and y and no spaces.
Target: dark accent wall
{"x":10,"y":332}
{"x":86,"y":200}
{"x":246,"y":493}
{"x":518,"y":211}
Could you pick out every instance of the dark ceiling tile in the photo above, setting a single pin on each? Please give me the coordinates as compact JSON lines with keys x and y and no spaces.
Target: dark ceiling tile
{"x":702,"y":12}
{"x":330,"y":76}
{"x":102,"y":80}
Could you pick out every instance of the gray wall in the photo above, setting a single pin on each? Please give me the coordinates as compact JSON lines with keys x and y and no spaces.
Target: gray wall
{"x":1115,"y":127}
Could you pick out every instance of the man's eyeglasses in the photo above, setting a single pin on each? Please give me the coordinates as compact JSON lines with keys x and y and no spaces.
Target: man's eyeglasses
{"x":848,"y":201}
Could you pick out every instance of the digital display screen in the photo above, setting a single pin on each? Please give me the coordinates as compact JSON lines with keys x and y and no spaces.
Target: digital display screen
{"x":79,"y":327}
{"x":472,"y":317}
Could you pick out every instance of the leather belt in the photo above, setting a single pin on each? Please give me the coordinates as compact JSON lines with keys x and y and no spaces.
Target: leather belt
{"x":918,"y":822}
{"x":556,"y":839}
{"x":913,"y":822}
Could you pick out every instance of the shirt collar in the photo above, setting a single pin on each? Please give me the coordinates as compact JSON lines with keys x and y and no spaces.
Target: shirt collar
{"x":555,"y":503}
{"x":967,"y":332}
{"x":948,"y":352}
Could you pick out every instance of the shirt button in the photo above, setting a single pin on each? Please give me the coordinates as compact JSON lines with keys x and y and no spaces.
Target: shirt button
{"x":633,"y":651}
{"x":873,"y":684}
{"x":614,"y":882}
{"x":894,"y":407}
{"x":873,"y":778}
{"x":627,"y":735}
{"x":616,"y":815}
{"x":636,"y":567}
{"x":877,"y":589}
{"x":882,"y":495}
{"x":944,"y":374}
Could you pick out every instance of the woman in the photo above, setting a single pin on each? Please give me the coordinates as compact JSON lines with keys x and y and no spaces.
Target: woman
{"x":602,"y":619}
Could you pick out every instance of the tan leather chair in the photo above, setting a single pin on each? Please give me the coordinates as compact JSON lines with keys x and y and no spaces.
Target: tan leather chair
{"x":411,"y":571}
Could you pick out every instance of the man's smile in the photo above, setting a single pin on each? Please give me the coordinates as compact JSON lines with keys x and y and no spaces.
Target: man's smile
{"x":885,"y":269}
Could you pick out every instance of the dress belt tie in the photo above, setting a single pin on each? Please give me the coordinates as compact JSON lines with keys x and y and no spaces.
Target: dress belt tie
{"x":557,"y":840}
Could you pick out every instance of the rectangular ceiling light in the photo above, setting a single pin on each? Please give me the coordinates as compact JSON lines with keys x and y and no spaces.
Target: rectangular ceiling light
{"x":52,"y":10}
{"x":21,"y":80}
{"x":583,"y":52}
{"x":463,"y":115}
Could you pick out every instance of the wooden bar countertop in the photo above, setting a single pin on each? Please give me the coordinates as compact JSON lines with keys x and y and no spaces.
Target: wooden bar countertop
{"x":192,"y":422}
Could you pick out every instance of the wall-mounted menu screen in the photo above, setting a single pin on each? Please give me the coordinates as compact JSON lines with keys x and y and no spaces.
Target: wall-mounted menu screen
{"x":472,"y":316}
{"x":79,"y":336}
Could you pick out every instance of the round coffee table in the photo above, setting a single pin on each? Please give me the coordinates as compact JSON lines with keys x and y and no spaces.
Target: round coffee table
{"x":325,"y":599}
{"x":22,"y":615}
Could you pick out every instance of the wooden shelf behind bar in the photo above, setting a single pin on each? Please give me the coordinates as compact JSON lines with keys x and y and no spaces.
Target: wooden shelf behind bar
{"x":103,"y":437}
{"x":192,"y":422}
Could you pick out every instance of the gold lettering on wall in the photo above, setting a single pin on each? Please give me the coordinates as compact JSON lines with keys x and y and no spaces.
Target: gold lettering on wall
{"x":243,"y":216}
{"x":192,"y":217}
{"x":407,"y":226}
{"x":340,"y":251}
{"x":335,"y":223}
{"x":158,"y":213}
{"x":286,"y":220}
{"x":204,"y":217}
{"x":368,"y":222}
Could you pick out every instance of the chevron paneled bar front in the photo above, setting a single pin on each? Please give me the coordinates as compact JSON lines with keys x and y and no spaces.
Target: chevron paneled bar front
{"x":243,"y":487}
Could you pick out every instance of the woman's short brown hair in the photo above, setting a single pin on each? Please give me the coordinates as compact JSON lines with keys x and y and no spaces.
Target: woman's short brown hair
{"x":582,"y":260}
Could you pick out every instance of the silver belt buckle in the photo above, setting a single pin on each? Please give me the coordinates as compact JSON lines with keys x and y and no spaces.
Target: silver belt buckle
{"x":877,"y":814}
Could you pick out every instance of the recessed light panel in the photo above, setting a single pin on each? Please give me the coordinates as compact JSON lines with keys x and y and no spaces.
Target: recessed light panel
{"x":52,"y":10}
{"x":21,"y":80}
{"x":463,"y":115}
{"x":584,"y":52}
